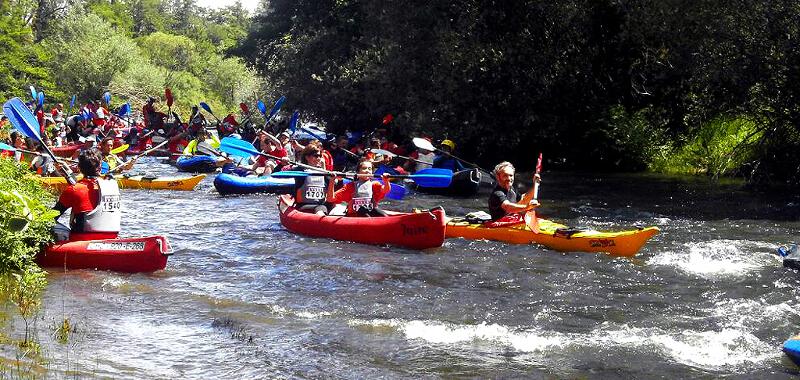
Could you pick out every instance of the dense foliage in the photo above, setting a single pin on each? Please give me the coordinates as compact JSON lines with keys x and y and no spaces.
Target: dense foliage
{"x":602,"y":85}
{"x":134,"y":48}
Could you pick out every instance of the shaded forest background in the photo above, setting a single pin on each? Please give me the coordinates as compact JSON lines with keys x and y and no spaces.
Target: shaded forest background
{"x":671,"y":86}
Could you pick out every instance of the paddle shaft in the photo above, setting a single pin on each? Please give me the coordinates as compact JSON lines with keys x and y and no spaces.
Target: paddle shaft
{"x":138,"y":156}
{"x":403,"y":157}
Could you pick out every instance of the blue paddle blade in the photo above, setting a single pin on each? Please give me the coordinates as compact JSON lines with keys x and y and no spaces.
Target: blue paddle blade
{"x":72,"y":102}
{"x":22,"y":118}
{"x":293,"y":121}
{"x":262,"y":107}
{"x":205,"y":106}
{"x":435,"y":171}
{"x":232,"y":145}
{"x":289,"y":174}
{"x":41,"y":98}
{"x":33,"y":93}
{"x":4,"y":146}
{"x":107,"y":97}
{"x":124,"y":110}
{"x":104,"y":168}
{"x":276,"y":107}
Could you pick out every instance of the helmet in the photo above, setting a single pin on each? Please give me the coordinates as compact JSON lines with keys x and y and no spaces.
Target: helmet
{"x":449,"y":143}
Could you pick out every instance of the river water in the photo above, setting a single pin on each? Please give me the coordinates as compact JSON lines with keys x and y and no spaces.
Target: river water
{"x":243,"y":298}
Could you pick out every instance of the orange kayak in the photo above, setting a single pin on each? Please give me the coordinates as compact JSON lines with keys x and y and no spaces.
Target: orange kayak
{"x":58,"y":184}
{"x":557,"y":237}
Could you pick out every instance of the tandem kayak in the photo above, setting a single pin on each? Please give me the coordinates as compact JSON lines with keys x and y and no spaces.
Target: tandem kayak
{"x":556,"y":236}
{"x":130,"y":255}
{"x":465,"y":183}
{"x":792,"y":348}
{"x":196,"y":164}
{"x":58,"y":184}
{"x":227,"y":184}
{"x":420,"y":230}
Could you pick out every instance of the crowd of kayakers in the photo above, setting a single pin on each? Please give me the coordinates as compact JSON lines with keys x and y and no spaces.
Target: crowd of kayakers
{"x":97,"y":142}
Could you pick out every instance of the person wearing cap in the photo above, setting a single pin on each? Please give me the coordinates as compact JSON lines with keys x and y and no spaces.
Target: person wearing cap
{"x":503,"y":201}
{"x":288,"y":144}
{"x":445,"y":161}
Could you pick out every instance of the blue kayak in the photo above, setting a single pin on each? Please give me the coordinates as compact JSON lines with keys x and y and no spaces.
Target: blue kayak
{"x":792,"y":348}
{"x":233,"y":184}
{"x":196,"y":164}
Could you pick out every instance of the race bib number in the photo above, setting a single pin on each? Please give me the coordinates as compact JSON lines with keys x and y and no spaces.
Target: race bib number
{"x":315,"y":192}
{"x":358,"y":203}
{"x":111,"y":203}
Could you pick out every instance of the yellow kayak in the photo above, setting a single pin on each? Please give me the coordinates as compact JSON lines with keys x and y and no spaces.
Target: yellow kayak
{"x":557,"y":236}
{"x":58,"y":184}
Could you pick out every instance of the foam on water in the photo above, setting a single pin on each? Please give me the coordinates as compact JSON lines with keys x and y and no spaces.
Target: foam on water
{"x":716,"y":258}
{"x":709,"y":350}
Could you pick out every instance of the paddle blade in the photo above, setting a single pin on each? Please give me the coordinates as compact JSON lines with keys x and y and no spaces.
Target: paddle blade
{"x":262,"y":107}
{"x":276,"y":107}
{"x":33,"y":93}
{"x":289,"y":174}
{"x":244,"y":108}
{"x":120,"y":149}
{"x":539,"y":164}
{"x":72,"y":101}
{"x":436,"y":171}
{"x":124,"y":110}
{"x":293,"y":121}
{"x":21,"y":117}
{"x":387,"y":119}
{"x":4,"y":146}
{"x":206,"y":148}
{"x":532,"y":221}
{"x":423,"y":144}
{"x":104,"y":168}
{"x":168,"y":96}
{"x":107,"y":97}
{"x":205,"y":106}
{"x":432,"y":180}
{"x":237,"y":147}
{"x":41,"y":98}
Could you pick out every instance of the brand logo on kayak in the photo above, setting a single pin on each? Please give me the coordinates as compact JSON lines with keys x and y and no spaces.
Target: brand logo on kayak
{"x":602,"y":243}
{"x":174,"y":183}
{"x":413,"y":230}
{"x":128,"y":246}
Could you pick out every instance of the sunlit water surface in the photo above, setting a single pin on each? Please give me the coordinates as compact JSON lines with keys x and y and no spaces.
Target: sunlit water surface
{"x":243,"y":298}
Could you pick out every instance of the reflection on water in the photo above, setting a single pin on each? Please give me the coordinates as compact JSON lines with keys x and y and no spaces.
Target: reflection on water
{"x":243,"y":298}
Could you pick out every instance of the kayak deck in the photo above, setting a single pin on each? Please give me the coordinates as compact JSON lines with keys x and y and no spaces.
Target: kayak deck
{"x":557,"y":236}
{"x":58,"y":184}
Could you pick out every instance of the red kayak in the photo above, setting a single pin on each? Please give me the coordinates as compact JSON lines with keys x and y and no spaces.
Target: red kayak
{"x":410,"y":230}
{"x":131,"y":255}
{"x":66,"y":150}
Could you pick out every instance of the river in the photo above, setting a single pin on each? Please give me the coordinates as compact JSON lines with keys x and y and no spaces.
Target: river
{"x":243,"y":298}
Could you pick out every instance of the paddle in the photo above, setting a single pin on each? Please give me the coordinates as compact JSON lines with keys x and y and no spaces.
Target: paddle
{"x":384,"y":152}
{"x":275,"y":109}
{"x":71,"y":104}
{"x":41,"y":99}
{"x":138,"y":156}
{"x":426,"y":180}
{"x":262,"y":108}
{"x":120,"y":149}
{"x":107,"y":98}
{"x":293,"y":121}
{"x":530,"y":217}
{"x":425,"y":144}
{"x":206,"y":107}
{"x":33,"y":93}
{"x":22,"y":119}
{"x":170,"y":99}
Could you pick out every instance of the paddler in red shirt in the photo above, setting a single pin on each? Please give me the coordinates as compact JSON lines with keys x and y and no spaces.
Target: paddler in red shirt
{"x":363,"y":194}
{"x":95,"y":203}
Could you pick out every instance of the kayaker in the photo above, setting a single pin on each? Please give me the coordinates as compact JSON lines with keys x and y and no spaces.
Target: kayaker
{"x":444,"y":161}
{"x":112,"y":159}
{"x":272,"y":146}
{"x":228,"y":126}
{"x":202,"y":135}
{"x":504,"y":200}
{"x":197,"y":122}
{"x":95,"y":203}
{"x":314,"y":193}
{"x":363,"y":194}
